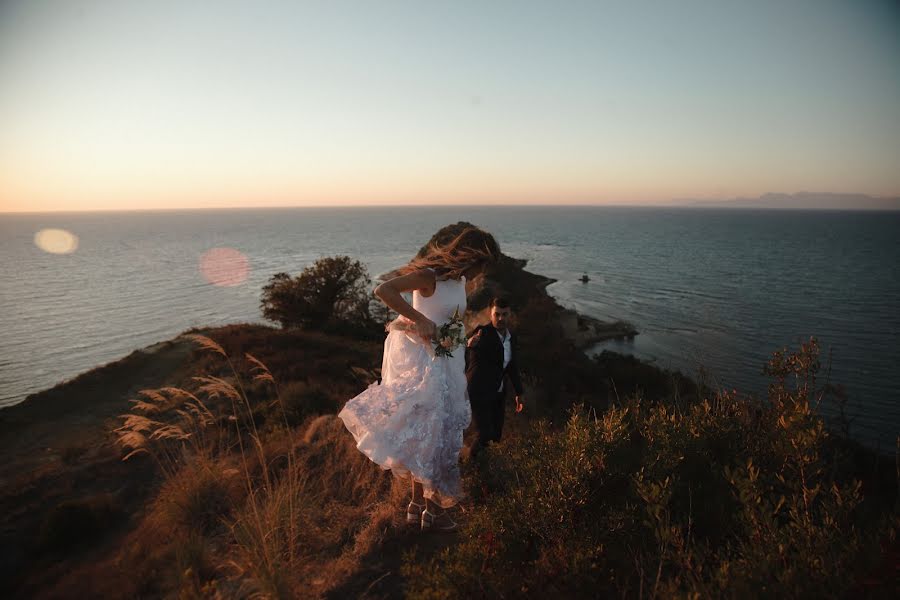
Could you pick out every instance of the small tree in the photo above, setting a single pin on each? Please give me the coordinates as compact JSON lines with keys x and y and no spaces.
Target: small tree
{"x":333,"y":290}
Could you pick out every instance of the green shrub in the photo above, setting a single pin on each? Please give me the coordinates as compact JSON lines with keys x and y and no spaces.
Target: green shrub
{"x":332,"y":292}
{"x":726,"y":497}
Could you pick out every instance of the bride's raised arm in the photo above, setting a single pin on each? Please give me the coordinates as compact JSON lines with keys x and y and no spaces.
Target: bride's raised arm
{"x":389,"y":293}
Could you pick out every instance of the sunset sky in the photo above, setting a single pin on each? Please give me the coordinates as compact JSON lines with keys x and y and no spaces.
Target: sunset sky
{"x":120,"y":104}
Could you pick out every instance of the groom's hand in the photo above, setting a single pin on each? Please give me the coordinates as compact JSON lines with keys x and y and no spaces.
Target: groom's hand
{"x":519,"y":405}
{"x":473,"y":339}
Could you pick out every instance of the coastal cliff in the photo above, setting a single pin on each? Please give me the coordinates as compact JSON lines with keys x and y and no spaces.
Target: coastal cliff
{"x":611,"y":456}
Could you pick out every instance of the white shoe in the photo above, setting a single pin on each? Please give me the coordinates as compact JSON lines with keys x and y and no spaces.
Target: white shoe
{"x":429,"y":518}
{"x":414,"y":512}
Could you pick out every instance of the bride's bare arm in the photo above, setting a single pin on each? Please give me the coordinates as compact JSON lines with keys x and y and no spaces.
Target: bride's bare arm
{"x":389,"y":293}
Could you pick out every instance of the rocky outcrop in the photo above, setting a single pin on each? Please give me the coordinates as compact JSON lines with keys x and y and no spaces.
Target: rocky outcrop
{"x":508,"y":277}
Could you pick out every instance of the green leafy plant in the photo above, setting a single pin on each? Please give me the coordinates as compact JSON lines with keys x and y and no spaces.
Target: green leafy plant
{"x":331,"y":291}
{"x":724,"y":497}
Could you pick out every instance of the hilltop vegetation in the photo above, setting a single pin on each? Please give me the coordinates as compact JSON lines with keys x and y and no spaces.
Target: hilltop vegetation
{"x":726,"y":497}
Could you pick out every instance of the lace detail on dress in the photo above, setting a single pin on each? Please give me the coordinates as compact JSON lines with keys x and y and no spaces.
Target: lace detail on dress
{"x":413,"y":422}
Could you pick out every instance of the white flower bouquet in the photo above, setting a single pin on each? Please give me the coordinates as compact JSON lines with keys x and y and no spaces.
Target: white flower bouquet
{"x":450,"y":336}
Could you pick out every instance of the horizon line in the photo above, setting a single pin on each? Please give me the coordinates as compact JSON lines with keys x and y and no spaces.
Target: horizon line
{"x":338,"y":206}
{"x":700,"y":205}
{"x":678,"y":202}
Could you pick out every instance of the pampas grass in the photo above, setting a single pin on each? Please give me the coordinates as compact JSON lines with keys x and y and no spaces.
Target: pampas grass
{"x":277,"y":502}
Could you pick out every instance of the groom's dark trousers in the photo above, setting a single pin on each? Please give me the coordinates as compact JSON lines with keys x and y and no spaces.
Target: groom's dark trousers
{"x":484,"y":372}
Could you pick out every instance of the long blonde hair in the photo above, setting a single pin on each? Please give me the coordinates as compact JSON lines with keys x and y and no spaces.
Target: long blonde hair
{"x":471,"y":247}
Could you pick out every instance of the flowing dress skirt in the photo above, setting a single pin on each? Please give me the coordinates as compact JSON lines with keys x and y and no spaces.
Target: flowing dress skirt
{"x":413,"y":422}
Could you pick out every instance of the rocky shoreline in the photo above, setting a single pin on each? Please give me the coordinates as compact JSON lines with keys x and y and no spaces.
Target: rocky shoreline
{"x":583,"y":330}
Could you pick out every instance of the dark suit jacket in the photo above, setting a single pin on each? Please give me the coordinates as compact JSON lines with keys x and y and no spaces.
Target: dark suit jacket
{"x":484,"y":362}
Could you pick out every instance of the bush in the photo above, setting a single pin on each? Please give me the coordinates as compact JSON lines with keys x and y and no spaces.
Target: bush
{"x":332,"y":291}
{"x":198,"y":498}
{"x":727,"y":497}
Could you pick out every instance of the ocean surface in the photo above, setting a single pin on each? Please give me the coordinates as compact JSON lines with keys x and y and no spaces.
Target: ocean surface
{"x":717,"y":288}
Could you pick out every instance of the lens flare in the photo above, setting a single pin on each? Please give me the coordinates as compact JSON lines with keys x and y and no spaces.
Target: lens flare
{"x":224,"y":267}
{"x":56,"y":241}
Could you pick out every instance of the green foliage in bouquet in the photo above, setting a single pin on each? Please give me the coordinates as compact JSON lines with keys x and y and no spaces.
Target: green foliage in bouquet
{"x":450,"y":335}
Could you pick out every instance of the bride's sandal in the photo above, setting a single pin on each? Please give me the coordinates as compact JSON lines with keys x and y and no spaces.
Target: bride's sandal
{"x":414,"y":512}
{"x":438,"y":522}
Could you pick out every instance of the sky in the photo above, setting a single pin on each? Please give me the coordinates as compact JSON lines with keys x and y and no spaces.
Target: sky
{"x":122,"y":104}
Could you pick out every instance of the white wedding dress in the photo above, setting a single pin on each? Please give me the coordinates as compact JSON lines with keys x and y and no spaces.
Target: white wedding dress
{"x":413,"y":422}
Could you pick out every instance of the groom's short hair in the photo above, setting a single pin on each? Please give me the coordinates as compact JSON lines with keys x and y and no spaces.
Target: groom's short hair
{"x":500,"y":302}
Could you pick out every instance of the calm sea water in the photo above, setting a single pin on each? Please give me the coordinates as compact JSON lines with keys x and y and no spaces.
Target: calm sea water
{"x":718,"y":288}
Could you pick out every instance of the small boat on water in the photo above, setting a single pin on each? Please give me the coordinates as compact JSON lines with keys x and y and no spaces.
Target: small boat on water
{"x":584,"y":278}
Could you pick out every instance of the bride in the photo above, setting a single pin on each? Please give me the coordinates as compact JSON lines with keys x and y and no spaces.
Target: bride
{"x":413,"y":422}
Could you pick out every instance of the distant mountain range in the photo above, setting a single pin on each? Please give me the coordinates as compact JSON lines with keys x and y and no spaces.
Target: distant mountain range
{"x":804,"y":200}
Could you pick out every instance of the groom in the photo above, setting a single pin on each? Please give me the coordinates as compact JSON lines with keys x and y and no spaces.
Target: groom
{"x":490,"y":357}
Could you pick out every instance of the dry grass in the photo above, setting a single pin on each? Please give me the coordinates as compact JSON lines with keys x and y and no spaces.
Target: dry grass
{"x":281,"y":511}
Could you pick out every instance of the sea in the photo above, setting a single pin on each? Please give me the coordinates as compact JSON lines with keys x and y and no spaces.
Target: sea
{"x":711,"y":290}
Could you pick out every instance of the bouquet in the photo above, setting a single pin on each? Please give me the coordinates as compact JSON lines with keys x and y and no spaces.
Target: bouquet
{"x":450,"y":336}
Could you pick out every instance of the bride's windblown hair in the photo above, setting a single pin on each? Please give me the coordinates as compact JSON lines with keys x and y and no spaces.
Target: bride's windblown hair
{"x":473,"y":246}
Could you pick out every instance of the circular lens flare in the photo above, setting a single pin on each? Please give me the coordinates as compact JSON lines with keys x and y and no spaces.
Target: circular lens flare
{"x":224,"y":267}
{"x":56,"y":241}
